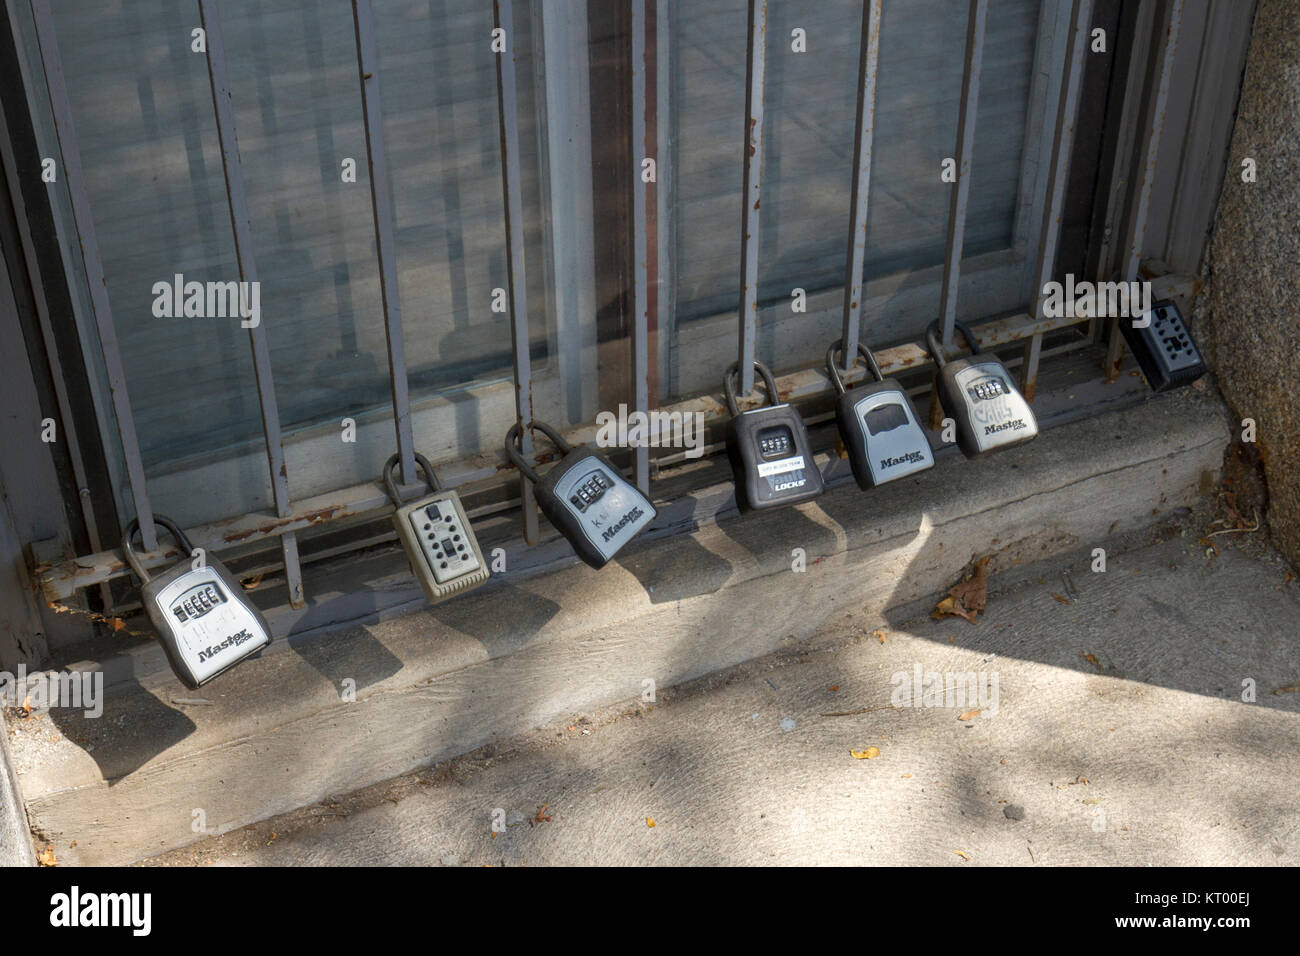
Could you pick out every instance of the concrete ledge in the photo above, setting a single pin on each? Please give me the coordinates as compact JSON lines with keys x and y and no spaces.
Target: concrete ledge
{"x":275,"y":735}
{"x":15,"y":840}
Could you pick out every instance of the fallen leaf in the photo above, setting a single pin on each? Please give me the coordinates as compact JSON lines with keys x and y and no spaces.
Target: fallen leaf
{"x":968,"y":597}
{"x":969,"y":715}
{"x":650,"y":822}
{"x":964,"y":856}
{"x":879,"y":635}
{"x":117,"y":624}
{"x":249,"y":584}
{"x":541,"y":814}
{"x":834,"y":687}
{"x":905,"y":776}
{"x":1091,"y":659}
{"x":1063,"y":600}
{"x":1288,"y":689}
{"x":867,"y":754}
{"x":273,"y":836}
{"x":27,"y":705}
{"x":46,"y":857}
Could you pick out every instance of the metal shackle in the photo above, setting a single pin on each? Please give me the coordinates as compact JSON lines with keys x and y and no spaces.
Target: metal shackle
{"x":729,"y":385}
{"x":834,"y":371}
{"x":390,"y":485}
{"x":932,"y":340}
{"x":514,"y":452}
{"x":128,"y":549}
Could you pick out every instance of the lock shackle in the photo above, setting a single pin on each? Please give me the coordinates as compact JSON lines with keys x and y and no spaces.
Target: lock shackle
{"x":514,"y":450}
{"x":390,"y":485}
{"x":834,"y":371}
{"x":729,"y":385}
{"x":128,"y":548}
{"x":932,"y":340}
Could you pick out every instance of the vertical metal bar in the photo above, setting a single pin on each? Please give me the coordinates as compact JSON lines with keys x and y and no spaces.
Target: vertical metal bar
{"x":1029,"y":370}
{"x":755,"y":68}
{"x":563,"y":71}
{"x":970,"y":94}
{"x":1142,"y":198}
{"x":381,"y":200}
{"x":868,"y":64}
{"x":1062,"y":147}
{"x":61,"y":108}
{"x":49,"y":346}
{"x":239,"y":223}
{"x":640,"y":252}
{"x":512,"y":191}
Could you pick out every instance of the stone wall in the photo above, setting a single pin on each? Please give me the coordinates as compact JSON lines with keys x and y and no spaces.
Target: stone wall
{"x":1251,"y":303}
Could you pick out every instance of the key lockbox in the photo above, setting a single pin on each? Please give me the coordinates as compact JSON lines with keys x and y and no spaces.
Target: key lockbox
{"x":1163,"y":347}
{"x":585,"y":497}
{"x":771,"y":459}
{"x":204,"y":622}
{"x":435,"y":531}
{"x":977,"y":393}
{"x":878,"y":425}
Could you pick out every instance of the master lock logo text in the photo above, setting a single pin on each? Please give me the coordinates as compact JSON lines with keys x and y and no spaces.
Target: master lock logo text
{"x":633,"y":515}
{"x":911,"y":458}
{"x":1016,"y":425}
{"x":234,"y":640}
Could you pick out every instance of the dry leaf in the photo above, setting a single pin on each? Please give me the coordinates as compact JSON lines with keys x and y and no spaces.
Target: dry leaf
{"x":867,"y":754}
{"x":964,"y":856}
{"x":1091,"y":659}
{"x":250,"y":583}
{"x":1288,"y":689}
{"x":46,"y":857}
{"x":273,"y":836}
{"x":27,"y":705}
{"x":834,"y":687}
{"x":1063,"y":600}
{"x":966,"y":598}
{"x":650,"y":822}
{"x":969,"y":715}
{"x":879,"y":635}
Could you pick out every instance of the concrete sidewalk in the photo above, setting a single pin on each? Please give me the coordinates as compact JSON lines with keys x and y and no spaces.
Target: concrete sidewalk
{"x":1120,"y":737}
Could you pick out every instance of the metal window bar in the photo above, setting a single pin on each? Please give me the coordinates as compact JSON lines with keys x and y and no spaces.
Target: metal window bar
{"x":49,"y":346}
{"x":512,"y":191}
{"x":239,"y":223}
{"x":381,"y":201}
{"x":755,"y":69}
{"x":70,"y":152}
{"x":1062,"y":147}
{"x":970,"y":95}
{"x":65,"y":578}
{"x":1172,"y":23}
{"x":485,"y":471}
{"x":640,"y":251}
{"x":855,"y":265}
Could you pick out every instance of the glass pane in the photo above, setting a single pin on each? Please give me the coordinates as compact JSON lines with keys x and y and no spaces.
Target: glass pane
{"x":810,"y":104}
{"x":148,"y":143}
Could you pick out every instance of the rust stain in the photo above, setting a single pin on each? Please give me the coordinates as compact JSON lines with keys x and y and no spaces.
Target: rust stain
{"x":270,"y":527}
